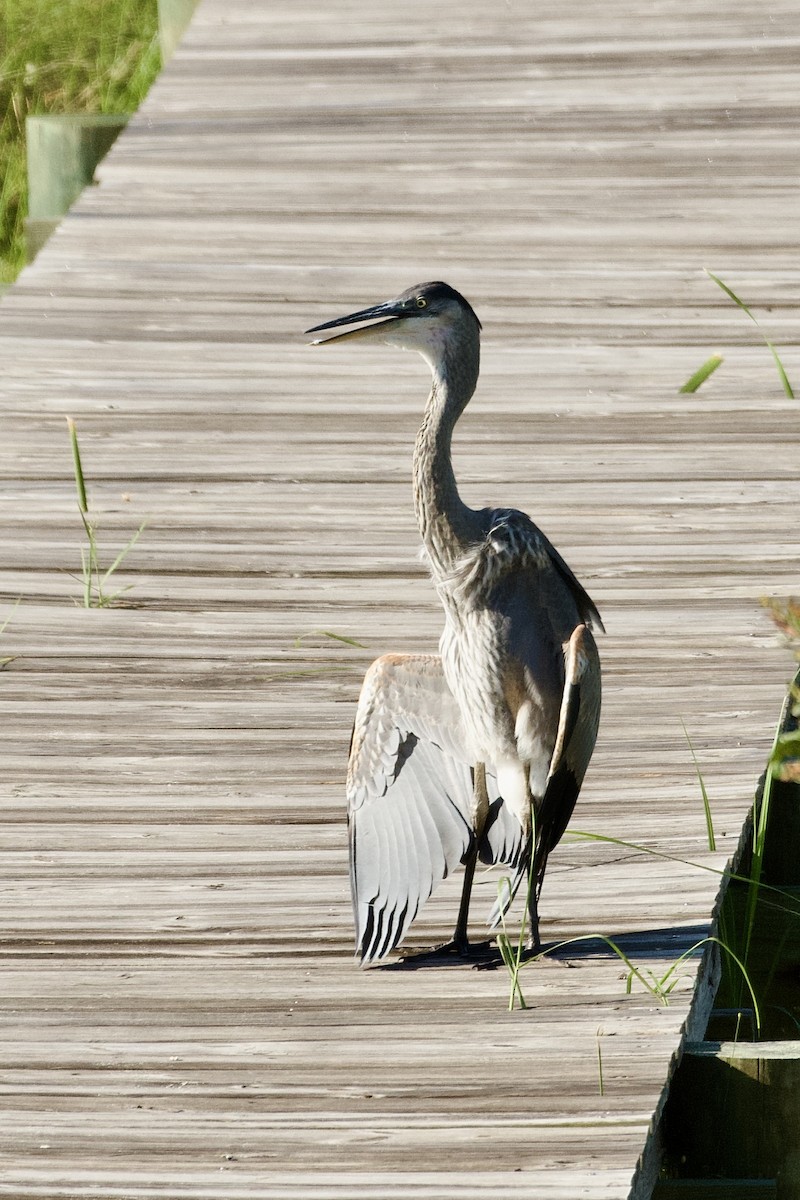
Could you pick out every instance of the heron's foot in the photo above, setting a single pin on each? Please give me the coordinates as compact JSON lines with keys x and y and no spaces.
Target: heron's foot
{"x":480,"y":954}
{"x":533,"y":942}
{"x":533,"y":946}
{"x":470,"y":951}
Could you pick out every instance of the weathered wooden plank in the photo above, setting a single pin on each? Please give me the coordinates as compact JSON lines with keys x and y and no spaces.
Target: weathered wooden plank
{"x":181,"y":1015}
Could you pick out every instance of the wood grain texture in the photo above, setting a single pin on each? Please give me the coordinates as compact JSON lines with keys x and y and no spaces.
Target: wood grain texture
{"x":180,"y":1012}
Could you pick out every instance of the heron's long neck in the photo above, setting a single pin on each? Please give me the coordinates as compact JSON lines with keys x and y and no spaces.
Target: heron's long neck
{"x":446,"y":524}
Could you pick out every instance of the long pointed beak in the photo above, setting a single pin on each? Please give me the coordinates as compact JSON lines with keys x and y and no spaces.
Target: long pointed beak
{"x":388,"y":311}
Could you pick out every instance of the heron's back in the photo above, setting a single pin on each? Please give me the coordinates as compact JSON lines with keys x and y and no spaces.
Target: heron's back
{"x":509,"y":612}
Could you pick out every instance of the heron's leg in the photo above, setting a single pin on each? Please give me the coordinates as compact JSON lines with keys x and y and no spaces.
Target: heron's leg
{"x":460,"y":938}
{"x":534,"y":942}
{"x":537,"y":869}
{"x":479,"y":816}
{"x":460,"y":943}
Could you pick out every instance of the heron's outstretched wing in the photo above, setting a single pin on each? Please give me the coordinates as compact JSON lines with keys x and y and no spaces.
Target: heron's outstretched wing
{"x":577,"y":730}
{"x":409,"y":789}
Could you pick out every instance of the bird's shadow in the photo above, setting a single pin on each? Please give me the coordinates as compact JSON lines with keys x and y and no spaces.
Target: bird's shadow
{"x":639,"y":945}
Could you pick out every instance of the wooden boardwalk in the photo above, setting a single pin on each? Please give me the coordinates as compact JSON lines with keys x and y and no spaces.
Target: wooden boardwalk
{"x":181,"y":1015}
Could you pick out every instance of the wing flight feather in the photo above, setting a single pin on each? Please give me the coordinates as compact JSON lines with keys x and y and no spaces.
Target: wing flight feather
{"x":409,"y":789}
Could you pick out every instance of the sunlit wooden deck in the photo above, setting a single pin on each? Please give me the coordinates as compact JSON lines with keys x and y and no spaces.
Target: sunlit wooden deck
{"x":181,"y":1015}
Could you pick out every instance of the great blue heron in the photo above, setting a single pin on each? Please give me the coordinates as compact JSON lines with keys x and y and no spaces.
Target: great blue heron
{"x":479,"y":752}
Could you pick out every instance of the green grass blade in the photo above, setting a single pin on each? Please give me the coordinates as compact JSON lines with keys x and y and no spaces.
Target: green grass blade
{"x":92,"y":578}
{"x":741,"y":965}
{"x":80,"y":483}
{"x":122,"y":554}
{"x":712,"y":841}
{"x":11,"y":657}
{"x":711,"y":939}
{"x":86,"y":580}
{"x":601,"y":1086}
{"x":634,"y":972}
{"x":336,"y":637}
{"x":784,"y":378}
{"x":587,"y":836}
{"x":702,"y":373}
{"x":730,"y":293}
{"x":512,"y":958}
{"x":89,"y":563}
{"x":787,"y":387}
{"x":106,"y":599}
{"x":10,"y":615}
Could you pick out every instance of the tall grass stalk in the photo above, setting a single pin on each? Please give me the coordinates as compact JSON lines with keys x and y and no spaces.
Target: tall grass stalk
{"x":64,"y":56}
{"x":712,"y":841}
{"x":725,"y":947}
{"x":93,"y":578}
{"x":510,"y":954}
{"x":513,"y":955}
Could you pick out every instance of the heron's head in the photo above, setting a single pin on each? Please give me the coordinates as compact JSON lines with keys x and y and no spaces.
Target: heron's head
{"x":428,"y":318}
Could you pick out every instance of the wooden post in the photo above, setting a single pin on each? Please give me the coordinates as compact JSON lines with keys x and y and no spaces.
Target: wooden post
{"x":173,"y":17}
{"x":63,"y":152}
{"x":751,"y":1128}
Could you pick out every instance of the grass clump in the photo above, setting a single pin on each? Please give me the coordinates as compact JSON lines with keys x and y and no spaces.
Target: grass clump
{"x":94,"y":580}
{"x":64,"y":56}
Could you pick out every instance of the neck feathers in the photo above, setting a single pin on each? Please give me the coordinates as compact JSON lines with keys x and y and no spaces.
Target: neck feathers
{"x":446,"y":524}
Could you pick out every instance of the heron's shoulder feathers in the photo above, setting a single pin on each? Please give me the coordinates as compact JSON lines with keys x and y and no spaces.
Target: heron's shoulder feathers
{"x":513,"y":544}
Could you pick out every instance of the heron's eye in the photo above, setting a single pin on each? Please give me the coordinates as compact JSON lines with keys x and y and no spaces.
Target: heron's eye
{"x":422,"y":302}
